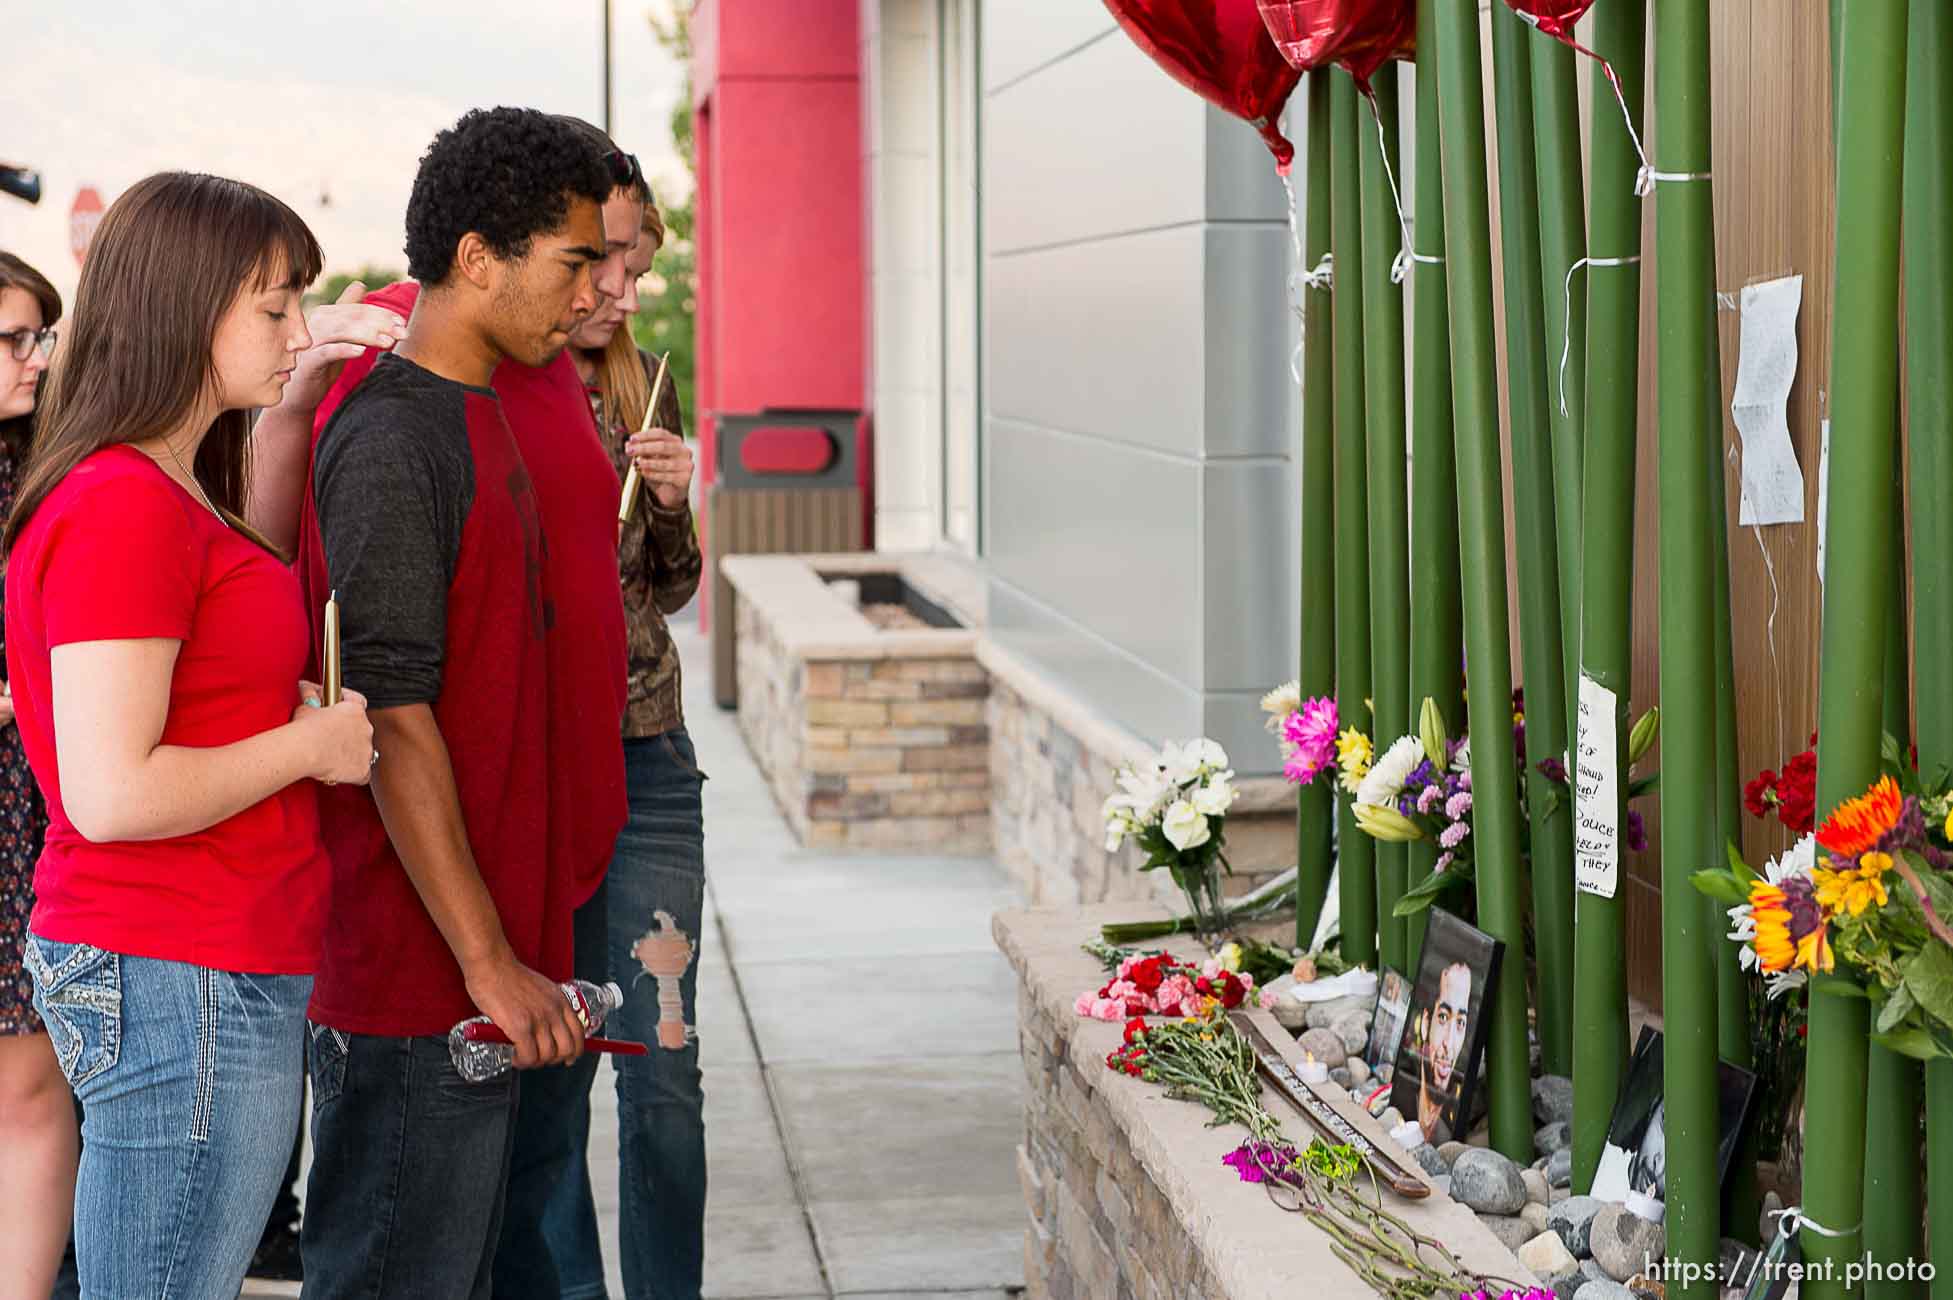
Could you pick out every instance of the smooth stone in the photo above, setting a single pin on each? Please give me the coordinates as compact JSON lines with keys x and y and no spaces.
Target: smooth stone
{"x":1536,"y":1189}
{"x":1557,"y":1195}
{"x":1390,"y":1119}
{"x":1428,"y":1159}
{"x":1546,"y":1255}
{"x":1535,"y":1215}
{"x":1340,"y":1076}
{"x":1552,"y":1138}
{"x":1325,"y":1046}
{"x":1289,"y":1014}
{"x":1510,"y":1229}
{"x":1604,"y":1289}
{"x":1552,"y":1100}
{"x":1623,"y":1244}
{"x":1353,"y":1027}
{"x":1322,"y":1015}
{"x":1591,"y":1271}
{"x":1359,"y":1070}
{"x":1487,"y":1182}
{"x":1573,"y":1219}
{"x":1559,"y":1168}
{"x":1451,"y":1151}
{"x":1766,"y":1226}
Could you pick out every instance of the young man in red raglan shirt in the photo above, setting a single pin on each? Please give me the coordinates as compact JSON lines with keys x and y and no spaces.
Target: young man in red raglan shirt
{"x":455,"y":883}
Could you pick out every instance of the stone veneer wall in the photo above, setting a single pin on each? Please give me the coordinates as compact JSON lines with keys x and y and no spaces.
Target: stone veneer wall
{"x":1052,"y":764}
{"x":1124,"y":1191}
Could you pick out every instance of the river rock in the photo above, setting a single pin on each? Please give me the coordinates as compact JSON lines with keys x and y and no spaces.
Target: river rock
{"x":1325,"y":1046}
{"x":1624,"y":1243}
{"x":1604,"y":1289}
{"x":1510,"y":1229}
{"x":1321,"y":1015}
{"x":1390,"y":1119}
{"x":1340,"y":1075}
{"x":1535,"y":1216}
{"x":1552,"y":1100}
{"x":1559,"y":1168}
{"x":1428,"y":1159}
{"x":1353,"y":1027}
{"x":1536,"y":1189}
{"x":1289,"y":1014}
{"x":1552,"y":1138}
{"x":1451,"y":1151}
{"x":1487,"y":1182}
{"x":1573,"y":1219}
{"x":1546,"y":1255}
{"x":1557,"y":1195}
{"x":1359,"y":1071}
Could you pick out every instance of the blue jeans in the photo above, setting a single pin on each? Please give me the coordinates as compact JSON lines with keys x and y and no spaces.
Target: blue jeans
{"x":656,"y":889}
{"x":409,"y":1166}
{"x":190,"y":1077}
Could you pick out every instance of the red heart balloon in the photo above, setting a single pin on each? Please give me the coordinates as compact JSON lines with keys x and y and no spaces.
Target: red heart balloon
{"x":1359,"y":35}
{"x":1554,"y":17}
{"x":1219,"y":50}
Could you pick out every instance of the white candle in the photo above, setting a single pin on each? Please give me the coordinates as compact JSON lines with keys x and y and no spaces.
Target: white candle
{"x":1312,"y":1070}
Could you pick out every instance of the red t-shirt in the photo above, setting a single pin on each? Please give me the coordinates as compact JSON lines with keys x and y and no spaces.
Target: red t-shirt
{"x":576,"y":493}
{"x":117,"y":552}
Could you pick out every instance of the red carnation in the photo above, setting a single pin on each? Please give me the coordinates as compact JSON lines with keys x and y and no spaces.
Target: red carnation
{"x":1797,"y":792}
{"x":1232,"y":989}
{"x":1760,"y":795}
{"x":1134,"y":1028}
{"x":1146,"y":976}
{"x":1203,"y":985}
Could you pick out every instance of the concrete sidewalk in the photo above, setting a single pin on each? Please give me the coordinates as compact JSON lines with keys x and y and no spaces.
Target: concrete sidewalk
{"x":858,"y":1032}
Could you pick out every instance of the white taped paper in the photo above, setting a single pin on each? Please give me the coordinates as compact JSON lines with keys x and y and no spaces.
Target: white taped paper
{"x":1766,"y":367}
{"x":1597,"y":793}
{"x":1823,"y":494}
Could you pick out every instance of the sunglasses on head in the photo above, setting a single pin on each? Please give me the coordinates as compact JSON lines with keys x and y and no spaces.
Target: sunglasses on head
{"x":624,"y":168}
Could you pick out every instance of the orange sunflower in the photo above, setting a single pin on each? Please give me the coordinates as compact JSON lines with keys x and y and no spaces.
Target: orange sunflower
{"x":1858,"y":824}
{"x":1790,"y":929}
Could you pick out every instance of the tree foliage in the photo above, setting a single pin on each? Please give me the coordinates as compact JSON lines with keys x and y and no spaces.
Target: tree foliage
{"x":665,"y":322}
{"x":335,"y":284}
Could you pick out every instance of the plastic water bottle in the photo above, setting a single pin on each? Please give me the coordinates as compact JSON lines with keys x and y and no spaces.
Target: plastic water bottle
{"x":478,"y":1062}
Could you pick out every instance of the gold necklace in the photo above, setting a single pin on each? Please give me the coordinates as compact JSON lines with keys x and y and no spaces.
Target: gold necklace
{"x":195,"y":484}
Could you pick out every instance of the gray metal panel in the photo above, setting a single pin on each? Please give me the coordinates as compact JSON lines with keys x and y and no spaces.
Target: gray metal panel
{"x":1250,"y":331}
{"x":1242,"y":183}
{"x":1134,"y":695}
{"x":1249,"y":575}
{"x":1108,"y":534}
{"x":1103,"y":143}
{"x":1102,"y":338}
{"x":1022,"y":35}
{"x":1235,"y":720}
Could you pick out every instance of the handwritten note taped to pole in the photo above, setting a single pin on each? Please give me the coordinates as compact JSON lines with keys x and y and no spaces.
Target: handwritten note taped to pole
{"x":1766,"y":367}
{"x":1597,"y":793}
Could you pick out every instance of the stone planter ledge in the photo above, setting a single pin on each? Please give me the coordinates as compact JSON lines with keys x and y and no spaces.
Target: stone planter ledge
{"x":811,"y":622}
{"x":1246,"y":1248}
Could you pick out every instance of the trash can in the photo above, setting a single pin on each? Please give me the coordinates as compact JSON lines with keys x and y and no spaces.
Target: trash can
{"x":787,"y":483}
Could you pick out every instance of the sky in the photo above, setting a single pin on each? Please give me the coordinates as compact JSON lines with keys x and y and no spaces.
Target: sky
{"x":326,"y":103}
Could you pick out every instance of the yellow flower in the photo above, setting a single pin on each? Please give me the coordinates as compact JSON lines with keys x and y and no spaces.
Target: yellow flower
{"x":1948,"y":828}
{"x":1353,"y":755}
{"x":1853,"y":890}
{"x":1386,"y":824}
{"x":1230,"y":956}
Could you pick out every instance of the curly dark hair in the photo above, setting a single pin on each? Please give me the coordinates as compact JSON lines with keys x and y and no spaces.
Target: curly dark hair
{"x":508,"y":174}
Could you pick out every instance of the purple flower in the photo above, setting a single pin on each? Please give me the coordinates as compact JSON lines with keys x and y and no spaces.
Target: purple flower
{"x":1252,"y":1160}
{"x":1553,"y":770}
{"x":1309,"y":738}
{"x":1453,"y":835}
{"x":1445,"y":859}
{"x":1909,"y":832}
{"x":1429,"y":797}
{"x":1637,"y":832}
{"x":1458,"y":806}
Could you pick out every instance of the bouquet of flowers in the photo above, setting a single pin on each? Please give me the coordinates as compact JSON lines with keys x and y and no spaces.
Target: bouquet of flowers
{"x":1175,"y":807}
{"x":1306,"y":732}
{"x":1867,"y":893}
{"x":1159,"y":984}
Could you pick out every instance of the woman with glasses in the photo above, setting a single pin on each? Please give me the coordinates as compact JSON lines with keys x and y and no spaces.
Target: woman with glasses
{"x":154,"y":651}
{"x":37,"y":1118}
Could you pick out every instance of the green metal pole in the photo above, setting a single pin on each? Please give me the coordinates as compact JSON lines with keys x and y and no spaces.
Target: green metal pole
{"x":1356,"y":861}
{"x":1871,"y":77}
{"x":1534,"y":539}
{"x":1437,"y":645}
{"x":1383,"y":402}
{"x":1314,"y":804}
{"x":1685,"y":238}
{"x":1928,"y":187}
{"x":1600,"y":1044}
{"x":1481,"y":553}
{"x":1895,"y":1085}
{"x":1562,"y":242}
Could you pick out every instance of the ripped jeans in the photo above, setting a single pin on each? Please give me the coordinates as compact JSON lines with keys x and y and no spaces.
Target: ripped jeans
{"x":641,"y":929}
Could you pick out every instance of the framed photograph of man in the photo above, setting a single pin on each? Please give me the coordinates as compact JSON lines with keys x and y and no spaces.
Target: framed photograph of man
{"x":1635,"y":1158}
{"x":1443,"y":1037}
{"x":1387,"y":1025}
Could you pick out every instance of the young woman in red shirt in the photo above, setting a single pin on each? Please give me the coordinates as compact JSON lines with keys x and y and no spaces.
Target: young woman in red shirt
{"x":154,"y":647}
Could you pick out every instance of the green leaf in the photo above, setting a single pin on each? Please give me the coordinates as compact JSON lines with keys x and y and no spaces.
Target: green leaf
{"x":1840,"y":986}
{"x":1723,"y":886}
{"x":1643,"y":784}
{"x":1929,"y":979}
{"x":1897,"y":1007}
{"x":1742,"y":870}
{"x":1426,"y":891}
{"x":1916,"y":1043}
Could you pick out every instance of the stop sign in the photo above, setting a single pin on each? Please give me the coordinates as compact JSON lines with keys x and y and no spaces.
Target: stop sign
{"x":83,"y":217}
